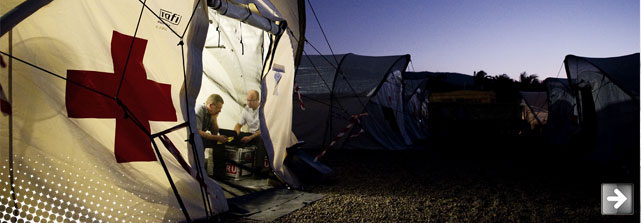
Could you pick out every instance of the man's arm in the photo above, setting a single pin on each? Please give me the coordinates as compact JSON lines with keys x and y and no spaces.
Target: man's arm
{"x":246,"y":139}
{"x":209,"y":136}
{"x":214,"y":123}
{"x":237,"y":128}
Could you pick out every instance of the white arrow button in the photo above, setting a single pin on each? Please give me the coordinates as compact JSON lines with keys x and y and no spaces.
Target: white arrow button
{"x":620,"y":198}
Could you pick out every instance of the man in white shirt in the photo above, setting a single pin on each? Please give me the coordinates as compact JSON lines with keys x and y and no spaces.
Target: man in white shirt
{"x":249,"y":117}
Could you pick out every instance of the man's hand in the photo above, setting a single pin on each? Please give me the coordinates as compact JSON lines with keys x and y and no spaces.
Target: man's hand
{"x":220,"y":138}
{"x":246,"y":139}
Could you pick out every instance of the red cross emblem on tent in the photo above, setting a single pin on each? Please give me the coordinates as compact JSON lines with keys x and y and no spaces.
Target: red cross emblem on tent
{"x":146,"y":99}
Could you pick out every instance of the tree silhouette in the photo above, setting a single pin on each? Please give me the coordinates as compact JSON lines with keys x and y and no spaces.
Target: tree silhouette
{"x":480,"y":79}
{"x":506,"y":89}
{"x":530,"y":82}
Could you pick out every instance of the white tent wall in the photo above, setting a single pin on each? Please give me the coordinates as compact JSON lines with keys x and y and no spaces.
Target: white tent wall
{"x":72,"y":158}
{"x":276,"y":109}
{"x":615,"y":102}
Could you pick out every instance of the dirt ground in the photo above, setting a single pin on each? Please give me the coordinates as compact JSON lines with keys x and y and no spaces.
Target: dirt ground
{"x":409,"y":186}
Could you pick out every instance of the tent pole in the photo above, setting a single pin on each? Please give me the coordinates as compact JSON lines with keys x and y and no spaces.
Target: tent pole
{"x":534,"y":113}
{"x":19,"y":13}
{"x":242,"y":13}
{"x":13,"y":188}
{"x":171,"y":182}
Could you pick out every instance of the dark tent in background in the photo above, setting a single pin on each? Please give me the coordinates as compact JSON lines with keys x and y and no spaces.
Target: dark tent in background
{"x":535,"y":108}
{"x":607,"y":95}
{"x":336,"y":89}
{"x":415,"y":101}
{"x":562,"y":121}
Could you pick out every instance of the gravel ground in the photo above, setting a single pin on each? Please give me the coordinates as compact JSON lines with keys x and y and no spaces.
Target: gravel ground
{"x":417,"y":186}
{"x":401,"y":186}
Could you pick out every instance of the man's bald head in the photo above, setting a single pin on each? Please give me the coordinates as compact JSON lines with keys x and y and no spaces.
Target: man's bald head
{"x":252,"y":99}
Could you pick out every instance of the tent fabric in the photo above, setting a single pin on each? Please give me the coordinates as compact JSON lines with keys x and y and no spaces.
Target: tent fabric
{"x":617,"y":69}
{"x":66,"y":139}
{"x":415,"y":98}
{"x":608,"y":102}
{"x":276,"y":110}
{"x":561,"y":124}
{"x":337,"y":87}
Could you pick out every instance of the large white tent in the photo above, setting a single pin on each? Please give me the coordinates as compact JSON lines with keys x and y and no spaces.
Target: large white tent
{"x":102,"y":94}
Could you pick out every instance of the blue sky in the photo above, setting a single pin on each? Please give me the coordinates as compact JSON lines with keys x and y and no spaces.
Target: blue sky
{"x":466,"y":36}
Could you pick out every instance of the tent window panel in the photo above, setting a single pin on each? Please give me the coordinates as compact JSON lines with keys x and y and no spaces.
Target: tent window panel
{"x":588,"y":110}
{"x":388,"y":114}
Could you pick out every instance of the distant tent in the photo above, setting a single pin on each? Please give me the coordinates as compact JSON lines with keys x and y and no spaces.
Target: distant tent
{"x":561,"y":123}
{"x":415,"y":101}
{"x":535,"y":108}
{"x":336,"y":88}
{"x":607,"y":92}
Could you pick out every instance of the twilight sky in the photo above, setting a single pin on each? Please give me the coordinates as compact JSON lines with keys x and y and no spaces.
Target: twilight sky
{"x":470,"y":35}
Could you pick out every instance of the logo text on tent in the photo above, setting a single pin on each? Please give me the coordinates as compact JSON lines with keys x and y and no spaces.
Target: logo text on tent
{"x":170,"y":17}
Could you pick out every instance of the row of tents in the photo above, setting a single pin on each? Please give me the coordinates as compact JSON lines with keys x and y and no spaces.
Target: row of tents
{"x":102,"y":97}
{"x":595,"y":108}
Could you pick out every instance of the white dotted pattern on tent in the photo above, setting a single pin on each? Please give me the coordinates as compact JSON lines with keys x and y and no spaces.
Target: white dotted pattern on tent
{"x":68,"y":193}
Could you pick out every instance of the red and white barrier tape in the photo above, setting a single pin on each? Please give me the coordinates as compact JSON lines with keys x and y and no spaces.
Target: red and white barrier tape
{"x":300,"y":98}
{"x":355,"y":119}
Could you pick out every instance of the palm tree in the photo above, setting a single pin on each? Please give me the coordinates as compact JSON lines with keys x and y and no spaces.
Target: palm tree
{"x":480,"y":79}
{"x":529,"y":82}
{"x":529,"y":79}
